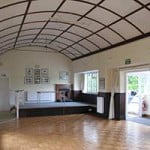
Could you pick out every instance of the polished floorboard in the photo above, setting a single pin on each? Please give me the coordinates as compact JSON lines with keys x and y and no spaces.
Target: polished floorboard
{"x":73,"y":132}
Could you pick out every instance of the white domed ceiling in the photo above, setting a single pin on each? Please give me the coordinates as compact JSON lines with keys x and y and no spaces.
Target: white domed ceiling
{"x":75,"y":28}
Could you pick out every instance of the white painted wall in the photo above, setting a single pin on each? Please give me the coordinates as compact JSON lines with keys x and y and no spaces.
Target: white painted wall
{"x":4,"y":94}
{"x":14,"y":64}
{"x":138,"y":52}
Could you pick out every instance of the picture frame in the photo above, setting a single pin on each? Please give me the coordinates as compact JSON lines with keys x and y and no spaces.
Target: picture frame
{"x":63,"y":75}
{"x":102,"y":83}
{"x":28,"y":80}
{"x":36,"y":76}
{"x":44,"y":72}
{"x":44,"y":80}
{"x":29,"y":72}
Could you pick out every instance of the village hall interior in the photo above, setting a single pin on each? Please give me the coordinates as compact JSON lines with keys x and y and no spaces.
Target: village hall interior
{"x":74,"y":74}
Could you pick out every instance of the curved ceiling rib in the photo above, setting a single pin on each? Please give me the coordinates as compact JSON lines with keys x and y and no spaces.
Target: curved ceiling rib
{"x":47,"y":34}
{"x":44,"y":39}
{"x":72,"y":27}
{"x":35,"y":44}
{"x":45,"y":45}
{"x":12,"y":4}
{"x":49,"y":20}
{"x":38,"y":12}
{"x":23,"y":20}
{"x":113,"y":13}
{"x":29,"y":44}
{"x":51,"y":29}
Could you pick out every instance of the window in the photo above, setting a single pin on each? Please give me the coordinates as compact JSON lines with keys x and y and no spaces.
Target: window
{"x":91,"y":82}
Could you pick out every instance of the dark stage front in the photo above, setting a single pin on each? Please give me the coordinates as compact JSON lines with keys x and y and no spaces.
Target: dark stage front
{"x":55,"y":108}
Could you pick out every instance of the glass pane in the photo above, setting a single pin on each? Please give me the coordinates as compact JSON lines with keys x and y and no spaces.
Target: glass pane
{"x":92,"y":82}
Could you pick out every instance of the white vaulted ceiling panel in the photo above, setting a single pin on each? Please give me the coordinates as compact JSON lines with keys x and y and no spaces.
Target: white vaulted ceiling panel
{"x":28,"y":36}
{"x":6,"y":43}
{"x":66,"y":18}
{"x":32,"y":25}
{"x":144,"y":1}
{"x":10,"y":22}
{"x":8,"y":37}
{"x":72,"y":36}
{"x":69,"y":55}
{"x":6,"y":2}
{"x":9,"y":31}
{"x":50,"y":31}
{"x":80,"y":31}
{"x":123,"y":26}
{"x":80,"y":48}
{"x":75,"y":7}
{"x":98,"y":41}
{"x":38,"y":16}
{"x":23,"y":41}
{"x":42,"y":40}
{"x":75,"y":27}
{"x":103,"y":16}
{"x":141,"y":19}
{"x":66,"y":41}
{"x":89,"y":24}
{"x":74,"y":51}
{"x":44,"y":5}
{"x":89,"y":45}
{"x":25,"y":32}
{"x":60,"y":44}
{"x":13,"y":10}
{"x":111,"y":36}
{"x":54,"y":46}
{"x":122,"y":7}
{"x":57,"y":25}
{"x":43,"y":36}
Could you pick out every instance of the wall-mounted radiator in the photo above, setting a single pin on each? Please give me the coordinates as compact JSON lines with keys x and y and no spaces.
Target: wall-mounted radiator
{"x":100,"y":105}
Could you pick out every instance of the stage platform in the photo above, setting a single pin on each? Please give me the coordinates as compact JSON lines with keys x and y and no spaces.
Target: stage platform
{"x":55,"y":108}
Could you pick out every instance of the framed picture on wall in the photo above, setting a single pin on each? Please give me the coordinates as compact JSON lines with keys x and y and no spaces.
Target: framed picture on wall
{"x":28,"y":80}
{"x":44,"y":72}
{"x":37,"y":76}
{"x":29,"y":72}
{"x":63,"y":75}
{"x":102,"y":83}
{"x":44,"y":80}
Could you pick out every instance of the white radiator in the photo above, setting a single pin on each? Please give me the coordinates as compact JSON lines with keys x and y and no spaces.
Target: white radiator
{"x":40,"y":96}
{"x":100,"y":105}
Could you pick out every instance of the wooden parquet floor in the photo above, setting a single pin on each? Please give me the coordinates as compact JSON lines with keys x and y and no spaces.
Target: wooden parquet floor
{"x":73,"y":132}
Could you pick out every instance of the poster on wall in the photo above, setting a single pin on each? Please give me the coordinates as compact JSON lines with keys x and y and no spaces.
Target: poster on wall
{"x":102,"y":83}
{"x":63,"y":75}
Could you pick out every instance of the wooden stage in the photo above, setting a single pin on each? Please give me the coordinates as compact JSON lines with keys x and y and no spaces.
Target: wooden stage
{"x":55,"y":108}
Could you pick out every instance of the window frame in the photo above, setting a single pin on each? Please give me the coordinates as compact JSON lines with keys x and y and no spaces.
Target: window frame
{"x":86,"y":90}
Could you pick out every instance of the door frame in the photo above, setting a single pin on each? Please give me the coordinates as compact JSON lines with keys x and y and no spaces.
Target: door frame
{"x":126,"y":88}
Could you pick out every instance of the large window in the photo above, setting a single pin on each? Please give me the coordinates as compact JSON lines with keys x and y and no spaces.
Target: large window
{"x":91,"y":82}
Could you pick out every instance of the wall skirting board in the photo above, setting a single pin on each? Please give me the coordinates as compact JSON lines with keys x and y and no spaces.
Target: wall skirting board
{"x":119,"y":102}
